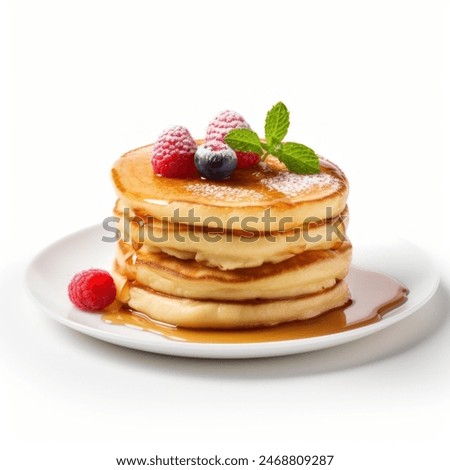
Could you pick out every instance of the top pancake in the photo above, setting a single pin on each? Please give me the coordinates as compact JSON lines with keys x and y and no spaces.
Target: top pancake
{"x":248,"y":193}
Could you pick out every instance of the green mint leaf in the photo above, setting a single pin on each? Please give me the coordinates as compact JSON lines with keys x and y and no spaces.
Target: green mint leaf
{"x":277,"y":124}
{"x":244,"y":140}
{"x":275,"y":149}
{"x":299,"y":158}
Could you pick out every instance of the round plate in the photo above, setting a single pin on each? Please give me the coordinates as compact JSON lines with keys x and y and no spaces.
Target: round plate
{"x":51,"y":270}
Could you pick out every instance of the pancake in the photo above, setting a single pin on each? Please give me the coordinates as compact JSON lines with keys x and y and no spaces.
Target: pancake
{"x":306,"y":273}
{"x":267,"y":193}
{"x":263,"y":247}
{"x":191,"y":313}
{"x":224,"y":249}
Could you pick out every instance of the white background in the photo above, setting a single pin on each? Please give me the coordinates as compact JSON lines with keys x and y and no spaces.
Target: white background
{"x":367,"y":86}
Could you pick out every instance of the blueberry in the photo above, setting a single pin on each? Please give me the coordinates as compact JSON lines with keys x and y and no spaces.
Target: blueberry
{"x":215,"y":160}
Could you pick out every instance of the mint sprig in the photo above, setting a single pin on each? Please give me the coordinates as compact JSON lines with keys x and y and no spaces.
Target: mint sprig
{"x":298,"y":158}
{"x":244,"y":140}
{"x":277,"y":124}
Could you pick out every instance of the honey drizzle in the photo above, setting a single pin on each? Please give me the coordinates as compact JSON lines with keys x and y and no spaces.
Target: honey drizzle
{"x":373,"y":296}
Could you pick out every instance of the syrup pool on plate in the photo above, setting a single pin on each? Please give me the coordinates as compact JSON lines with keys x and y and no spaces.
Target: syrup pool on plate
{"x":373,"y":296}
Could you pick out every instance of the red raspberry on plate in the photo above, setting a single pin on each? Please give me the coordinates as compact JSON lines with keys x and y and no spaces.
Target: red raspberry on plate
{"x":223,"y":123}
{"x":173,"y":154}
{"x":92,"y":290}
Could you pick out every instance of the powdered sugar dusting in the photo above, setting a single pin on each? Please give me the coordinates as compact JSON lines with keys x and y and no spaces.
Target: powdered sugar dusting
{"x":293,"y":184}
{"x":224,"y":192}
{"x":281,"y":185}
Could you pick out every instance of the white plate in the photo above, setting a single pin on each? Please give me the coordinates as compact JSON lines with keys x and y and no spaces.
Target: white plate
{"x":50,"y":272}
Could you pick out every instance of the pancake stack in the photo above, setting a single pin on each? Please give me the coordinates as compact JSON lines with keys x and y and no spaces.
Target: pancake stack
{"x":264,"y":247}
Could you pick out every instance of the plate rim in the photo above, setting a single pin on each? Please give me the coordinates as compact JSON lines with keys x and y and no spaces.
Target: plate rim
{"x":221,"y":350}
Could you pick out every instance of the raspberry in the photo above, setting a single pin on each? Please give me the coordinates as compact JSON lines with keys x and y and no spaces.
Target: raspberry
{"x":216,"y":145}
{"x":173,"y":154}
{"x":223,"y":123}
{"x":246,"y":159}
{"x":92,"y":290}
